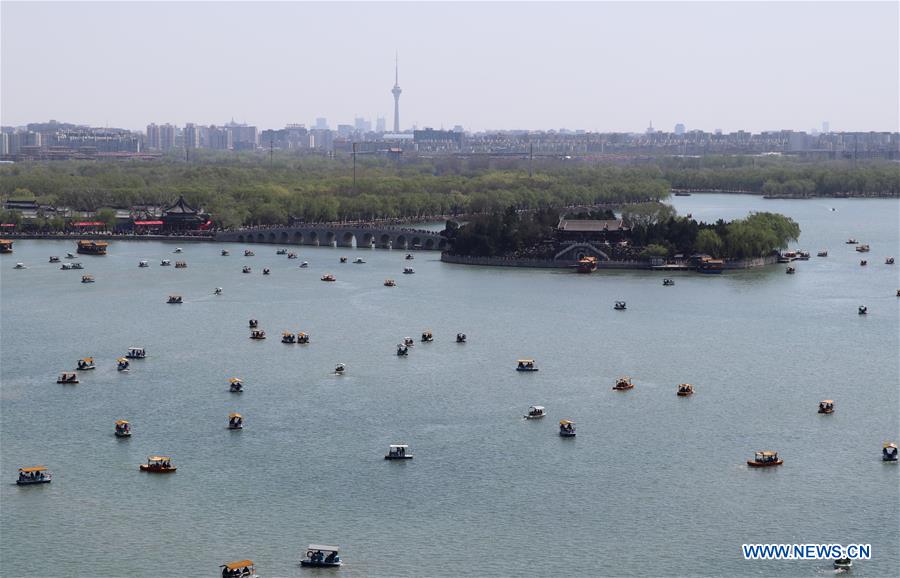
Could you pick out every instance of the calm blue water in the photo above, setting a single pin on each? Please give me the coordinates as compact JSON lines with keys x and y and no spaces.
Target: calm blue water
{"x":654,"y":485}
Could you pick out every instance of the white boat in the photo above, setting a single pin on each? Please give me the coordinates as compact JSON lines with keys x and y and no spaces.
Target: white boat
{"x":304,"y":264}
{"x":402,"y":350}
{"x":54,"y":259}
{"x":136,"y":353}
{"x":619,"y":306}
{"x":339,"y":369}
{"x":20,"y":266}
{"x":526,"y":365}
{"x":535,"y":412}
{"x":218,"y":291}
{"x":398,"y":452}
{"x":318,"y":556}
{"x":77,"y":266}
{"x":143,"y":263}
{"x":165,"y":263}
{"x":177,"y":250}
{"x":70,"y":256}
{"x":408,"y":271}
{"x":358,"y":261}
{"x":85,"y":364}
{"x":225,"y":253}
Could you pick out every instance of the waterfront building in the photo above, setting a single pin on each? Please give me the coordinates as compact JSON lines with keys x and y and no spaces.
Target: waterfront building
{"x":180,"y":216}
{"x":592,"y":230}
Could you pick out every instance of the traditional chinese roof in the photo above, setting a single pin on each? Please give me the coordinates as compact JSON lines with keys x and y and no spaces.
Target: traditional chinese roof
{"x":181,"y":208}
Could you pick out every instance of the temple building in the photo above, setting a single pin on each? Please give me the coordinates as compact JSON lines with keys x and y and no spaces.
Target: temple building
{"x":592,"y":231}
{"x":183,"y":217}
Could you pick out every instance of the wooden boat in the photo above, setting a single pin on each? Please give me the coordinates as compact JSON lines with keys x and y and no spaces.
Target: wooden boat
{"x":176,"y":299}
{"x":822,"y":254}
{"x":248,"y":253}
{"x":526,"y":365}
{"x":288,"y":337}
{"x":343,"y":259}
{"x":123,"y":429}
{"x":390,"y":283}
{"x":842,"y":564}
{"x":235,"y":385}
{"x":619,"y":306}
{"x":711,"y":266}
{"x":181,"y":264}
{"x":6,"y":246}
{"x":826,"y":406}
{"x":623,"y":383}
{"x":235,"y":421}
{"x":328,"y":277}
{"x":685,"y":389}
{"x":316,"y":557}
{"x":427,"y":337}
{"x":86,"y":363}
{"x":402,"y":350}
{"x":92,"y":247}
{"x":257,"y":334}
{"x":535,"y":412}
{"x":68,"y":378}
{"x":87,"y":278}
{"x":765,"y":459}
{"x":408,"y":341}
{"x":33,"y":475}
{"x":668,"y":282}
{"x":566,"y":428}
{"x":790,"y":270}
{"x":122,"y":364}
{"x":398,"y":452}
{"x":302,"y":338}
{"x":862,"y":248}
{"x":889,"y":452}
{"x":586,"y":265}
{"x":158,"y":465}
{"x":239,"y":569}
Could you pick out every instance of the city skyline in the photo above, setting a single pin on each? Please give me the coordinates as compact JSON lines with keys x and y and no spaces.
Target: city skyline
{"x":675,"y":63}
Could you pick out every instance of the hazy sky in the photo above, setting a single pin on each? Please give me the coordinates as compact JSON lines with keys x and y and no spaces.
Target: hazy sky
{"x":595,"y":66}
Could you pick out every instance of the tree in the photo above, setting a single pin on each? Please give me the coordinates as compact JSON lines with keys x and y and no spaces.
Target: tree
{"x":107,"y":216}
{"x":708,"y":242}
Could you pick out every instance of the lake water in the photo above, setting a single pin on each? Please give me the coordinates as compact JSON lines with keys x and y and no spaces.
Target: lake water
{"x":654,"y":485}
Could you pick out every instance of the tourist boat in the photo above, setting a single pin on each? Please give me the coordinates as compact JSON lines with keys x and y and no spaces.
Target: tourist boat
{"x":390,"y":283}
{"x":67,"y":266}
{"x":623,"y":383}
{"x":158,"y":465}
{"x":535,"y":412}
{"x":343,"y":259}
{"x":225,"y":253}
{"x":217,"y":291}
{"x":339,"y":369}
{"x":288,"y":337}
{"x":33,"y":475}
{"x":257,"y":334}
{"x":863,"y":310}
{"x":175,"y":299}
{"x":253,"y":323}
{"x":685,"y":389}
{"x":586,"y":265}
{"x":889,"y":261}
{"x":266,"y":271}
{"x":402,"y":350}
{"x":460,"y":337}
{"x":181,"y":264}
{"x":54,"y":259}
{"x":316,"y":557}
{"x":304,"y":264}
{"x":122,"y":364}
{"x":566,"y":428}
{"x":619,"y":306}
{"x":863,"y":263}
{"x":246,"y":269}
{"x":398,"y":452}
{"x":235,"y":385}
{"x":862,"y":248}
{"x":92,"y":247}
{"x":427,"y":337}
{"x":70,"y":256}
{"x":889,"y":452}
{"x":235,"y":421}
{"x":822,"y":253}
{"x":802,"y":255}
{"x":668,"y":282}
{"x":328,"y":277}
{"x":711,"y":266}
{"x":239,"y":569}
{"x":177,"y":250}
{"x":136,"y":353}
{"x":526,"y":365}
{"x":842,"y":564}
{"x":826,"y":406}
{"x":20,"y":266}
{"x":408,"y":271}
{"x":66,"y":377}
{"x":292,"y":255}
{"x":358,"y":261}
{"x":790,"y":270}
{"x":851,"y":241}
{"x":787,"y":257}
{"x":123,"y":429}
{"x":6,"y":246}
{"x":409,"y":257}
{"x":408,"y":341}
{"x":281,"y":252}
{"x":302,"y":337}
{"x":249,"y":253}
{"x":143,"y":263}
{"x":765,"y":459}
{"x":165,"y":263}
{"x":87,"y":278}
{"x":86,"y":363}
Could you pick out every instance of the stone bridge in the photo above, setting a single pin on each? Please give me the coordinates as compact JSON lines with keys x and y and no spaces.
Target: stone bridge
{"x":339,"y":236}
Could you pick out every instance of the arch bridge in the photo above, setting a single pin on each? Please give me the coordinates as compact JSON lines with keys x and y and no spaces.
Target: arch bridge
{"x":339,"y":236}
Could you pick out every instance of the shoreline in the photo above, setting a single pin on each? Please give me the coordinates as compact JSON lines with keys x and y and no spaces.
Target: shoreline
{"x":735,"y":265}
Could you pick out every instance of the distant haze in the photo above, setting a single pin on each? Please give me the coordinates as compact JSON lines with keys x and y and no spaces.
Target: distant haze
{"x":594,"y":66}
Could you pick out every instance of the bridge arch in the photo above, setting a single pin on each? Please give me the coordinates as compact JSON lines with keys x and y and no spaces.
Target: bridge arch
{"x":260,"y":238}
{"x":284,"y":237}
{"x":400,"y":242}
{"x":329,"y":238}
{"x":240,"y":238}
{"x":298,"y":237}
{"x":429,"y":243}
{"x":348,"y":239}
{"x":368,"y":239}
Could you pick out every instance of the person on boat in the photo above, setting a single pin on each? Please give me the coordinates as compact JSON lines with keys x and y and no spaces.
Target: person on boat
{"x":331,"y":557}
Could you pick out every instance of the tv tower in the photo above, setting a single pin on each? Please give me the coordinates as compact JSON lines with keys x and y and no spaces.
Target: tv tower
{"x":396,"y":92}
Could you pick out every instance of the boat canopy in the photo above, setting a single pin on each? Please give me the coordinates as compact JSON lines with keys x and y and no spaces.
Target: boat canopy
{"x":122,"y":360}
{"x":827,"y":401}
{"x":234,"y":380}
{"x":234,"y":415}
{"x":537,"y":407}
{"x":890,"y":445}
{"x":398,"y":446}
{"x":88,"y":359}
{"x":566,"y":422}
{"x":238,"y":565}
{"x":526,"y":361}
{"x":33,"y":469}
{"x":135,"y":349}
{"x":766,"y":454}
{"x":121,"y":422}
{"x":322,"y":548}
{"x":158,"y":459}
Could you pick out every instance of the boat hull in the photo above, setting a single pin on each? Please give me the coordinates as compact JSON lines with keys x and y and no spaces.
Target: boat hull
{"x":311,"y":564}
{"x":389,"y":457}
{"x":684,"y":393}
{"x":156,"y":470}
{"x":31,"y":482}
{"x":754,"y":464}
{"x":526,"y":369}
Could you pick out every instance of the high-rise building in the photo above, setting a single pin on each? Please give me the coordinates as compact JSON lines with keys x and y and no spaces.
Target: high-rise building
{"x":679,"y":129}
{"x":191,"y":136}
{"x":380,"y":124}
{"x":166,"y":137}
{"x":396,"y":92}
{"x":826,"y":127}
{"x":153,"y":137}
{"x":321,"y":123}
